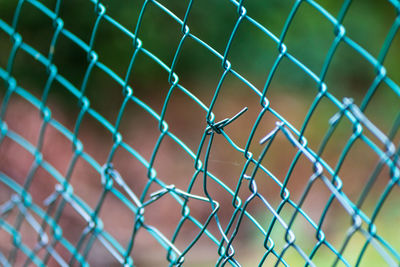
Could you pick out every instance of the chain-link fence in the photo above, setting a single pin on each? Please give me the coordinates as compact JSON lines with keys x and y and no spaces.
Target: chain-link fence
{"x":233,"y":173}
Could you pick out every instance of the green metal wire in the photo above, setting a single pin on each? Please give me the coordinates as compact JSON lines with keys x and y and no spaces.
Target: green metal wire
{"x":45,"y":222}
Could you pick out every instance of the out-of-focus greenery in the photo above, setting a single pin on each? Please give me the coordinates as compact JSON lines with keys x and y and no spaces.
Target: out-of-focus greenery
{"x":252,"y":53}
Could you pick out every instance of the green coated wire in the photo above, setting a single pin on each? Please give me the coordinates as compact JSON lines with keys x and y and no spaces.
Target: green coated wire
{"x":46,"y":222}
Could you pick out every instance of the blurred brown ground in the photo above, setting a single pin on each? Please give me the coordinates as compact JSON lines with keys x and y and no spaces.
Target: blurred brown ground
{"x":174,"y":167}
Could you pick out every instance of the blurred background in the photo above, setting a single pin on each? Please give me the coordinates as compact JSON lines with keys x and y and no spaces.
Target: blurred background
{"x":252,"y":55}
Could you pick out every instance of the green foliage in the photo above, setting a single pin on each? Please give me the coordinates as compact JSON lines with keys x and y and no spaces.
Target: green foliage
{"x":253,"y":53}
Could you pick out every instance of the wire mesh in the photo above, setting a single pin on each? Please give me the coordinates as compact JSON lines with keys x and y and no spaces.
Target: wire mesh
{"x":285,"y":211}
